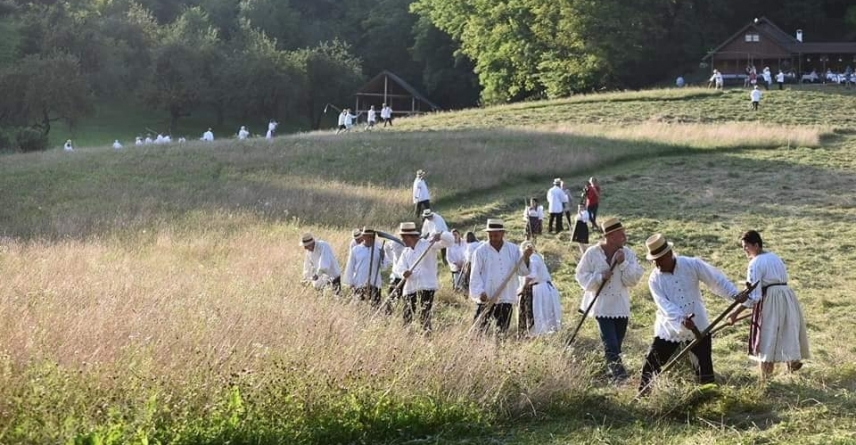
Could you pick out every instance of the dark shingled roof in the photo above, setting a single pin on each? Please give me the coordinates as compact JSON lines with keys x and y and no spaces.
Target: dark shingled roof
{"x":376,"y":84}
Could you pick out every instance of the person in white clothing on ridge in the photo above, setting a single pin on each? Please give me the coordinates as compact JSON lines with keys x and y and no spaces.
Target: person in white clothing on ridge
{"x":540,"y":310}
{"x":208,"y":136}
{"x":320,"y":267}
{"x":67,"y":146}
{"x":271,"y":131}
{"x":755,"y":97}
{"x":243,"y":133}
{"x":386,"y":115}
{"x":372,"y":118}
{"x":117,"y":145}
{"x":493,"y":264}
{"x":420,"y":280}
{"x":614,"y":266}
{"x":138,"y":141}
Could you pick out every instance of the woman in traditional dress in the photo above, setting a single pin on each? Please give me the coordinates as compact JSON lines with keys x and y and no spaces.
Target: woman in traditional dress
{"x":778,"y":331}
{"x":540,"y":310}
{"x":581,"y":230}
{"x":533,"y":214}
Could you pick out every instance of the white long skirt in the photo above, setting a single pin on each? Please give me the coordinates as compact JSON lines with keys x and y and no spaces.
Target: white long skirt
{"x":546,"y":309}
{"x":782,"y":336}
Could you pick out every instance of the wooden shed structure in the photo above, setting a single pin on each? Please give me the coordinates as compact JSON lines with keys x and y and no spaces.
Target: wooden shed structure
{"x":763,"y":44}
{"x":388,"y":88}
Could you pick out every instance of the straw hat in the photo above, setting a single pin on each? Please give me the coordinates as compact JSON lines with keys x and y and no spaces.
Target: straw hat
{"x":408,"y":228}
{"x":307,"y":239}
{"x":357,"y":233}
{"x":610,"y":225}
{"x":657,"y":246}
{"x":494,"y":225}
{"x":367,"y":231}
{"x":526,"y":245}
{"x":557,"y":181}
{"x":426,"y":213}
{"x":420,"y":173}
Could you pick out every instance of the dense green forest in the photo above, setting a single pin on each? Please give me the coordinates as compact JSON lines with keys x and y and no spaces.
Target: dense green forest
{"x":286,"y":59}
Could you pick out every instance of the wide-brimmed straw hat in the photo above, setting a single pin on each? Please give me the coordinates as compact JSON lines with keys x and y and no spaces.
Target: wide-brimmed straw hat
{"x":426,"y":213}
{"x":611,"y":225}
{"x":408,"y":228}
{"x":657,"y":246}
{"x":307,"y":239}
{"x":367,"y":231}
{"x":525,"y":245}
{"x":494,"y":225}
{"x":557,"y":181}
{"x":420,"y":173}
{"x":356,"y":233}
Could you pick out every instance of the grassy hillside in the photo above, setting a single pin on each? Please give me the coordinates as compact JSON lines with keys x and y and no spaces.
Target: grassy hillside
{"x":150,"y":295}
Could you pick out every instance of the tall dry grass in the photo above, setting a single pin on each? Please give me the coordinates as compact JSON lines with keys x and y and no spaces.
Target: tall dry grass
{"x":181,"y":317}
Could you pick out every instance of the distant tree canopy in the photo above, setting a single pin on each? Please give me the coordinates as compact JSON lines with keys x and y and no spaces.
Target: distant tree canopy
{"x":534,"y":48}
{"x":285,"y":59}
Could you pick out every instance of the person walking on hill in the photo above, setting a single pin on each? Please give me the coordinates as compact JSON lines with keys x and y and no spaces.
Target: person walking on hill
{"x":674,"y":285}
{"x":320,"y":267}
{"x":243,"y":133}
{"x":581,"y":230}
{"x":780,"y":79}
{"x":208,"y":136}
{"x":777,"y":333}
{"x":421,"y":196}
{"x":611,"y":267}
{"x":493,"y":263}
{"x":568,"y":205}
{"x":755,"y":97}
{"x":341,"y":126}
{"x":67,"y":146}
{"x":434,"y":223}
{"x":556,"y":199}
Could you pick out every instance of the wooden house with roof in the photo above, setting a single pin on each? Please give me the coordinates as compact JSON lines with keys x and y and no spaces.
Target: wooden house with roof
{"x":763,"y":44}
{"x":388,"y":88}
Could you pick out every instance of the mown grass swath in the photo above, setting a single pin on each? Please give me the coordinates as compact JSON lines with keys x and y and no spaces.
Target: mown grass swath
{"x":151,"y":295}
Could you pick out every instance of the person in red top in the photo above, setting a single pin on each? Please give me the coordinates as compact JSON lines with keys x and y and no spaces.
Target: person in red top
{"x":592,"y":191}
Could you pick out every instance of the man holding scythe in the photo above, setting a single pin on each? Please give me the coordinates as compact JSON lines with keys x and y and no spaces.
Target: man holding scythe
{"x":493,"y":265}
{"x":612,"y":268}
{"x":681,"y":315}
{"x":362,"y":273}
{"x":420,"y":276}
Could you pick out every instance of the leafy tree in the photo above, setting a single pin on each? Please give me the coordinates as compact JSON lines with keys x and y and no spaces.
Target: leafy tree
{"x":447,"y":75}
{"x":182,"y":71}
{"x":275,"y":18}
{"x":331,"y":74}
{"x":41,"y":90}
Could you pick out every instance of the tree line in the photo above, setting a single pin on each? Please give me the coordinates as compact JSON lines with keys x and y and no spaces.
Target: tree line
{"x":286,"y":59}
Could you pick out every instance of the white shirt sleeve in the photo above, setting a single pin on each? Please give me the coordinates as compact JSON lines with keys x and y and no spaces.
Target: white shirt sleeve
{"x":631,"y":270}
{"x":715,"y":280}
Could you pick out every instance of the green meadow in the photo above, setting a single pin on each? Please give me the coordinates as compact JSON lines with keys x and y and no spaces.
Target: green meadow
{"x":152,"y":295}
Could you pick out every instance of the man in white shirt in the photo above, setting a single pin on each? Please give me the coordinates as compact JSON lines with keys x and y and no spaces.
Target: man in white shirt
{"x":420,"y":278}
{"x":68,"y":146}
{"x":755,"y":96}
{"x":320,"y":267}
{"x":208,"y":136}
{"x":421,"y":197}
{"x":674,"y":285}
{"x":350,"y":118}
{"x":386,"y":115}
{"x":433,"y":223}
{"x":780,"y":79}
{"x":362,"y":273}
{"x":372,"y":118}
{"x":342,"y":126}
{"x":243,"y":133}
{"x":117,"y":145}
{"x":493,"y":265}
{"x":556,"y":199}
{"x":138,"y":141}
{"x":612,"y":268}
